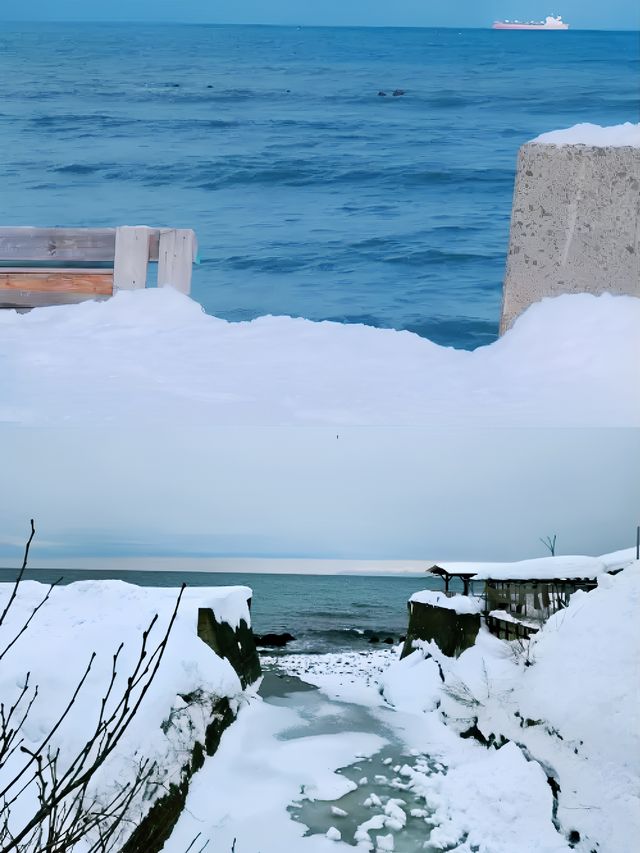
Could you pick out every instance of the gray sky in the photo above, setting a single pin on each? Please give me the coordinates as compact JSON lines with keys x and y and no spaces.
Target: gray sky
{"x":613,"y":14}
{"x":374,"y":493}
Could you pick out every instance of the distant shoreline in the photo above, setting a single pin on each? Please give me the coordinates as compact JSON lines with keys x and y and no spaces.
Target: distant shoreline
{"x":234,"y":565}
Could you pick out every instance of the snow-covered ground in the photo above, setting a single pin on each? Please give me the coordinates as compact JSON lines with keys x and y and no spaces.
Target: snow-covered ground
{"x":96,"y":616}
{"x":373,"y":758}
{"x":562,"y":713}
{"x":155,"y":356}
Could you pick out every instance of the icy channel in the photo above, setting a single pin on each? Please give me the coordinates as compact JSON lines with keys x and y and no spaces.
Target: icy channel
{"x":379,"y":811}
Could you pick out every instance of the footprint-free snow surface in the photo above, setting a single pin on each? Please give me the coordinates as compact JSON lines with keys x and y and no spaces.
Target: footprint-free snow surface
{"x":155,"y":356}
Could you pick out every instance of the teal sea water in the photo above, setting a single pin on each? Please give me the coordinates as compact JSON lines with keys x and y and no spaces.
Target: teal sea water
{"x":312,"y":195}
{"x":323,"y":612}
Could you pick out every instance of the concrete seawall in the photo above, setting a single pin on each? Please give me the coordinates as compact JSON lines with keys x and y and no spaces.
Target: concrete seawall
{"x":575,"y":224}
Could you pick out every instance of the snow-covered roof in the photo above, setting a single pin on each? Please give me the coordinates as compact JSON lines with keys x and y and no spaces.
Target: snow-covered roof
{"x":543,"y":568}
{"x":615,"y":136}
{"x":459,"y":603}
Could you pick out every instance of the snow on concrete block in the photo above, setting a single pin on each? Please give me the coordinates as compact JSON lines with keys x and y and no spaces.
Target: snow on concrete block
{"x":615,"y":136}
{"x":451,"y":629}
{"x":457,"y":603}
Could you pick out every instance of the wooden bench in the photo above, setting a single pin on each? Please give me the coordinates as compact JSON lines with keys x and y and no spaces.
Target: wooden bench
{"x":56,"y":266}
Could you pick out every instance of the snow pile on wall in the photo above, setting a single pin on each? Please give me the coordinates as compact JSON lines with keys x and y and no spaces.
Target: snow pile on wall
{"x":96,"y":616}
{"x":567,"y":706}
{"x":615,"y":136}
{"x":459,"y":603}
{"x":155,"y":356}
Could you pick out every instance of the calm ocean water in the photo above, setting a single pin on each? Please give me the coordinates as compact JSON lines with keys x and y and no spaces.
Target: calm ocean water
{"x":323,"y":612}
{"x":311,"y":195}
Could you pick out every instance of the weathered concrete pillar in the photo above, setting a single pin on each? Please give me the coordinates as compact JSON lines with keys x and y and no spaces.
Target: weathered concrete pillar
{"x":575,"y":224}
{"x":452,"y":632}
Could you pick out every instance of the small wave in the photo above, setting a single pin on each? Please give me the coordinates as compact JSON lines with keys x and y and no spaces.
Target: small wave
{"x":77,"y":169}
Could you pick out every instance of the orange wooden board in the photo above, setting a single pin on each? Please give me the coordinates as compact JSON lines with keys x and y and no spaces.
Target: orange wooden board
{"x":57,"y":281}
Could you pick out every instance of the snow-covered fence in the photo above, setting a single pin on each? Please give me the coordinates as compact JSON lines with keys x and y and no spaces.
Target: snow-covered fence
{"x":574,"y":221}
{"x":53,"y":266}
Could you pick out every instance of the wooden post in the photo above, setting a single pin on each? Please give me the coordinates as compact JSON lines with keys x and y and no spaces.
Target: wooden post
{"x":131,"y":257}
{"x":176,"y":254}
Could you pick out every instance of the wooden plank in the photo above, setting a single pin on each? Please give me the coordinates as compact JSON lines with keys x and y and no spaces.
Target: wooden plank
{"x":176,"y":254}
{"x":93,"y":245}
{"x":57,"y":244}
{"x":89,"y":282}
{"x":131,"y":257}
{"x":24,"y":299}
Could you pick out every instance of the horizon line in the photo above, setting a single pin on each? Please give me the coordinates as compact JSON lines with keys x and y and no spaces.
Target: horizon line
{"x":612,"y":29}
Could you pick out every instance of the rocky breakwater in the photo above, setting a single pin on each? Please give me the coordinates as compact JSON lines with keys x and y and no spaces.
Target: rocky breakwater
{"x":452,"y":622}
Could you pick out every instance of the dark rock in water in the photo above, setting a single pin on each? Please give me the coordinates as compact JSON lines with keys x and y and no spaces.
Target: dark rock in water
{"x":388,"y":641}
{"x":574,"y":837}
{"x":274,"y":639}
{"x":209,"y":86}
{"x":374,"y":638}
{"x":398,"y":92}
{"x":382,"y":94}
{"x":402,"y":638}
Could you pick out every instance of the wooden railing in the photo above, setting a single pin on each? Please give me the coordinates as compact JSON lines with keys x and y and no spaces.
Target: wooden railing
{"x":505,"y":629}
{"x":52,"y":266}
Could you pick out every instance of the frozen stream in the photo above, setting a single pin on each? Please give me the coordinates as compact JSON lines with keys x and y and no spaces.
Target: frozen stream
{"x":302,"y":770}
{"x":379,"y":811}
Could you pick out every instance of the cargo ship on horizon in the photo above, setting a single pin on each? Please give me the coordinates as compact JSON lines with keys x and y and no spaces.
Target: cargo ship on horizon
{"x":551,"y":22}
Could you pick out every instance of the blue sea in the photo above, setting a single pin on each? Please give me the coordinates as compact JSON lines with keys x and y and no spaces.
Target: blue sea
{"x":312,"y":194}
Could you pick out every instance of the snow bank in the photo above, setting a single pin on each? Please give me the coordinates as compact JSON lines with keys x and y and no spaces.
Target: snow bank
{"x":601,"y":710}
{"x":459,"y":603}
{"x":494,"y":801}
{"x":96,"y":616}
{"x":542,"y":568}
{"x":567,"y":706}
{"x":615,"y":136}
{"x":154,"y":356}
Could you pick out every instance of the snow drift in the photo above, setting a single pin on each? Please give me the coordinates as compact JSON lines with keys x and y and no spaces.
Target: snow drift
{"x":96,"y":616}
{"x":155,"y":356}
{"x":565,"y":707}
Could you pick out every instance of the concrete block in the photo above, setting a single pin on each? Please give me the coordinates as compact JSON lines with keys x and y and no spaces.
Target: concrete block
{"x":452,"y":632}
{"x":575,"y":225}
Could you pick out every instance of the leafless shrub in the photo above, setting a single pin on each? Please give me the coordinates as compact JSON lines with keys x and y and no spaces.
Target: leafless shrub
{"x":65,"y":809}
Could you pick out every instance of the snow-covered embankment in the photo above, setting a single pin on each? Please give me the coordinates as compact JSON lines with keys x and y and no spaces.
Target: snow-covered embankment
{"x":191,"y":698}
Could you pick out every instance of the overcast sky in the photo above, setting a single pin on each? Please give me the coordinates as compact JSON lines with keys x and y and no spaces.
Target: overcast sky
{"x":613,"y":14}
{"x":374,"y":493}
